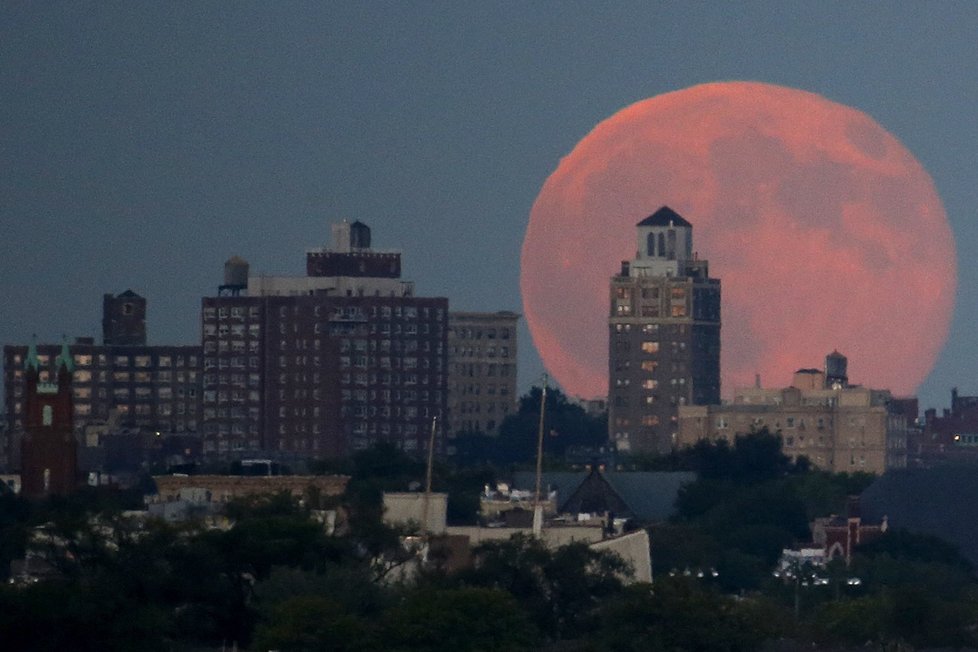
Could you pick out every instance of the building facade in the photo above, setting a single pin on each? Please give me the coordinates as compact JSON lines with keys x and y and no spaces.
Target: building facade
{"x":49,"y":452}
{"x":664,"y":336}
{"x":481,"y":370}
{"x":951,"y":436}
{"x":324,"y":364}
{"x":838,"y":427}
{"x":136,"y":386}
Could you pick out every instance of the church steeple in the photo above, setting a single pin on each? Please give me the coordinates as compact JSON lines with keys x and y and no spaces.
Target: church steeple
{"x":64,"y":358}
{"x":31,"y":361}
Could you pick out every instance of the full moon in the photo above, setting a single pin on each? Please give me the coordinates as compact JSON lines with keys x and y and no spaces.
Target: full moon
{"x":825,"y":231}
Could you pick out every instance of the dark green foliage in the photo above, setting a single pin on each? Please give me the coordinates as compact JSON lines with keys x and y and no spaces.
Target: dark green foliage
{"x":560,"y":590}
{"x":464,"y":487}
{"x":464,"y":619}
{"x":314,"y":622}
{"x":276,"y":580}
{"x":681,"y":615}
{"x":566,"y":425}
{"x":904,"y":545}
{"x":825,"y":493}
{"x":15,"y":514}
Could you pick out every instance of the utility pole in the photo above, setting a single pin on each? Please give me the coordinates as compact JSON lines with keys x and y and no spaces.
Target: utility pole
{"x":537,"y":506}
{"x":427,"y":482}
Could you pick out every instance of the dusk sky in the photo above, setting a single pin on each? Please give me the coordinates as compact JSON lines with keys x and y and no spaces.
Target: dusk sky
{"x":142,"y":144}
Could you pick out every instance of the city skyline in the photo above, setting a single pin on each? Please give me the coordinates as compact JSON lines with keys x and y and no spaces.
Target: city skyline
{"x":143,"y":146}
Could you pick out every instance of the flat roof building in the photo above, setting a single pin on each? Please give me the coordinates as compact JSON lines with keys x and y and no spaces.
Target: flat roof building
{"x":324,"y":364}
{"x":482,"y":356}
{"x":838,"y":427}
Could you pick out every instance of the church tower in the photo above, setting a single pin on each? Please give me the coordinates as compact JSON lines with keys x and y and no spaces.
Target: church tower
{"x":48,"y":451}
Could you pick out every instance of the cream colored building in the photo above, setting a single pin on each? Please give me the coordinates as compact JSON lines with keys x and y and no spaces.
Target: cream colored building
{"x":223,"y":488}
{"x":417,"y":508}
{"x":481,"y":370}
{"x":839,"y":428}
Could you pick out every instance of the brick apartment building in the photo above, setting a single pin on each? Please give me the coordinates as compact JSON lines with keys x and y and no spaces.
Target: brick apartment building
{"x":152,"y":388}
{"x":326,"y":363}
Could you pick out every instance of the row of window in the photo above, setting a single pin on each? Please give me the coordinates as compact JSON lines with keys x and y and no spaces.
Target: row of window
{"x":676,"y":310}
{"x":476,"y":390}
{"x":475,"y":407}
{"x":477,"y":333}
{"x":138,"y":361}
{"x":675,"y":293}
{"x":210,"y":313}
{"x":475,"y":425}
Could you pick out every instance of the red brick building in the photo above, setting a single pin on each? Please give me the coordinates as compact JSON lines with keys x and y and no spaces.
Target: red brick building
{"x":49,"y":456}
{"x":327,"y":363}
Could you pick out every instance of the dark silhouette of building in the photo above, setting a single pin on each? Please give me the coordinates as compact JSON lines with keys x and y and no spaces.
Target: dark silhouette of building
{"x":951,"y":436}
{"x":124,"y":319}
{"x":127,"y":386}
{"x":664,"y":336}
{"x":645,"y":496}
{"x":327,"y":363}
{"x":48,"y":461}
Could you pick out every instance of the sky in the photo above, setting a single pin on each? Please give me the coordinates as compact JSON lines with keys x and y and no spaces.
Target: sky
{"x":142,"y":144}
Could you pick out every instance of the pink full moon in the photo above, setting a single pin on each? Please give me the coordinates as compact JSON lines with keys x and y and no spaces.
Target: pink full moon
{"x":824,"y":229}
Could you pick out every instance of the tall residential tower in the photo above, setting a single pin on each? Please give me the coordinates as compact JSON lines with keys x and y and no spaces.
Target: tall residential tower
{"x":664,"y":336}
{"x":327,"y":363}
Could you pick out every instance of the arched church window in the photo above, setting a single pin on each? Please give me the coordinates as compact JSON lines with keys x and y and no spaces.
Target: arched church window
{"x":662,"y":245}
{"x":650,"y":245}
{"x":671,"y":250}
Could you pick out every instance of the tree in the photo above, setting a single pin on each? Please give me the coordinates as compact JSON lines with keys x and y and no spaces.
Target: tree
{"x":560,"y":589}
{"x":566,"y":424}
{"x":463,"y":619}
{"x":308,"y":623}
{"x":682,"y":615}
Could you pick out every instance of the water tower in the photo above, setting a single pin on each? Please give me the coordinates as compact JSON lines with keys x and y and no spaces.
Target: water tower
{"x":835,"y":371}
{"x":235,"y":277}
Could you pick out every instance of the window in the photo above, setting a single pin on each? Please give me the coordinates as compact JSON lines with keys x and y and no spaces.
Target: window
{"x":650,"y":347}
